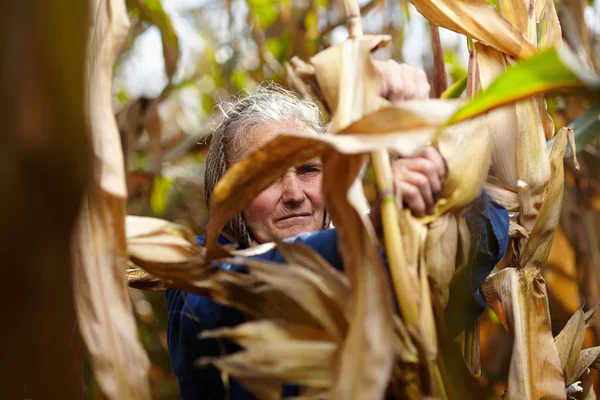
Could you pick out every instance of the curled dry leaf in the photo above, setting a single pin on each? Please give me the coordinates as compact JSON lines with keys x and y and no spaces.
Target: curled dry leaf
{"x":537,"y":249}
{"x":156,"y":240}
{"x":519,"y":299}
{"x":104,"y":312}
{"x":348,"y":79}
{"x":587,"y":358}
{"x":569,"y":342}
{"x":308,"y":363}
{"x":309,"y":289}
{"x":479,"y":20}
{"x":365,"y":360}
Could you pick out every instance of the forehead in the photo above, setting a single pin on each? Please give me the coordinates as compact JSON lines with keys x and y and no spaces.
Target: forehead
{"x":255,"y":137}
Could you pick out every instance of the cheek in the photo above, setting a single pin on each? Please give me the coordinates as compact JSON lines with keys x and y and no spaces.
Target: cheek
{"x":262,"y":207}
{"x":312,"y":189}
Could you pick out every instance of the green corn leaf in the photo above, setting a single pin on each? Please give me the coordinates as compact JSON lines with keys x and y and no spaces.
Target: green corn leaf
{"x":556,"y":69}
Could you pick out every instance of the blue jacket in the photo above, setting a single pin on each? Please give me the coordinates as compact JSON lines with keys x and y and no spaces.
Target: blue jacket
{"x":190,"y":314}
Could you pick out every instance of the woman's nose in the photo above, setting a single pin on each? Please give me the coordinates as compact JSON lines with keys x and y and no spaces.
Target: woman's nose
{"x":292,"y":191}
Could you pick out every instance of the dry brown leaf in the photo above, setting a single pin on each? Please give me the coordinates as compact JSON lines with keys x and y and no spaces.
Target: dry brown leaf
{"x":517,"y":13}
{"x":479,"y":20}
{"x":502,"y":121}
{"x":551,"y":32}
{"x":589,"y":314}
{"x":256,"y":332}
{"x":304,"y":362}
{"x":440,"y":251}
{"x":537,"y":249}
{"x":308,"y":289}
{"x":533,"y":166}
{"x":299,"y":254}
{"x":519,"y":299}
{"x":408,"y":115}
{"x":348,"y":79}
{"x":586,"y":359}
{"x":365,"y":360}
{"x":104,"y":310}
{"x":569,"y":342}
{"x":156,"y":240}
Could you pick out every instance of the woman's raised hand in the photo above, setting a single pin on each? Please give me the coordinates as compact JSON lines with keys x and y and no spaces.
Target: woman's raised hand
{"x":401,"y":82}
{"x":419,"y":179}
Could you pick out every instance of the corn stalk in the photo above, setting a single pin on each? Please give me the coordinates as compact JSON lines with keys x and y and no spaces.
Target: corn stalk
{"x":389,"y":204}
{"x":102,"y":301}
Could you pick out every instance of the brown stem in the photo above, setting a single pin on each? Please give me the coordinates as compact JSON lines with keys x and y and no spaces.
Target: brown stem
{"x":440,"y":83}
{"x":473,"y":74}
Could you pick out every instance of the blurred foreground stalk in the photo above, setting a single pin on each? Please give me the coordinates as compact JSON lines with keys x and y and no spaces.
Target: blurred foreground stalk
{"x":44,"y":165}
{"x":104,"y":310}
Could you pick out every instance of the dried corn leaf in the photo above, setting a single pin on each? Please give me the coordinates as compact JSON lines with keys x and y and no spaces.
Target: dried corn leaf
{"x":569,"y":342}
{"x":587,"y":358}
{"x":533,"y":166}
{"x":426,"y":317}
{"x":550,"y":32}
{"x":308,"y":289}
{"x":589,"y":314}
{"x":502,"y":121}
{"x":479,"y":20}
{"x":413,"y":114}
{"x":104,"y":310}
{"x":156,"y":240}
{"x":517,"y":13}
{"x":256,"y":332}
{"x":365,"y":360}
{"x":298,"y":254}
{"x":348,"y":79}
{"x":537,"y":249}
{"x":304,"y":362}
{"x":519,"y":299}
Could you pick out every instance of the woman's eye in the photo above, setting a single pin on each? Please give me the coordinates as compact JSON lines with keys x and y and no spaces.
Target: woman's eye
{"x":309,"y":169}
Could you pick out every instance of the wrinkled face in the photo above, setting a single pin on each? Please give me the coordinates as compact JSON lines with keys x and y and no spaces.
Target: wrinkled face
{"x":293,"y":203}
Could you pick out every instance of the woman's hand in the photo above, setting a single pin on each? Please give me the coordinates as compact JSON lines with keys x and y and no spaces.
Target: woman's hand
{"x":418,"y":181}
{"x":400,"y":82}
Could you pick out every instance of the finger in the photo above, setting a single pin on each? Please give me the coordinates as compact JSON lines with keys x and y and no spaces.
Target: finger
{"x":422,"y":166}
{"x":412,"y":198}
{"x":421,"y":182}
{"x":432,"y":154}
{"x":422,"y":85}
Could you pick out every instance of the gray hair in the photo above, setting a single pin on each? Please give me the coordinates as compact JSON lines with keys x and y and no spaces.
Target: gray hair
{"x":270,"y":103}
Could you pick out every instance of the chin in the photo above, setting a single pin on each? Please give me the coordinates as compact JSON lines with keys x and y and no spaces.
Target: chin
{"x":291,"y":232}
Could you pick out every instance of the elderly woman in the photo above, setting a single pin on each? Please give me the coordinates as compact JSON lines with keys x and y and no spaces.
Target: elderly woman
{"x":292,"y":208}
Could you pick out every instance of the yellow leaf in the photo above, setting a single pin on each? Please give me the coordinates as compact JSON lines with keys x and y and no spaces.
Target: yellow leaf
{"x":479,"y":20}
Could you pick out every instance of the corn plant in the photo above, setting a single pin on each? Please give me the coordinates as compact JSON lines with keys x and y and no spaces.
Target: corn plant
{"x":337,"y":334}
